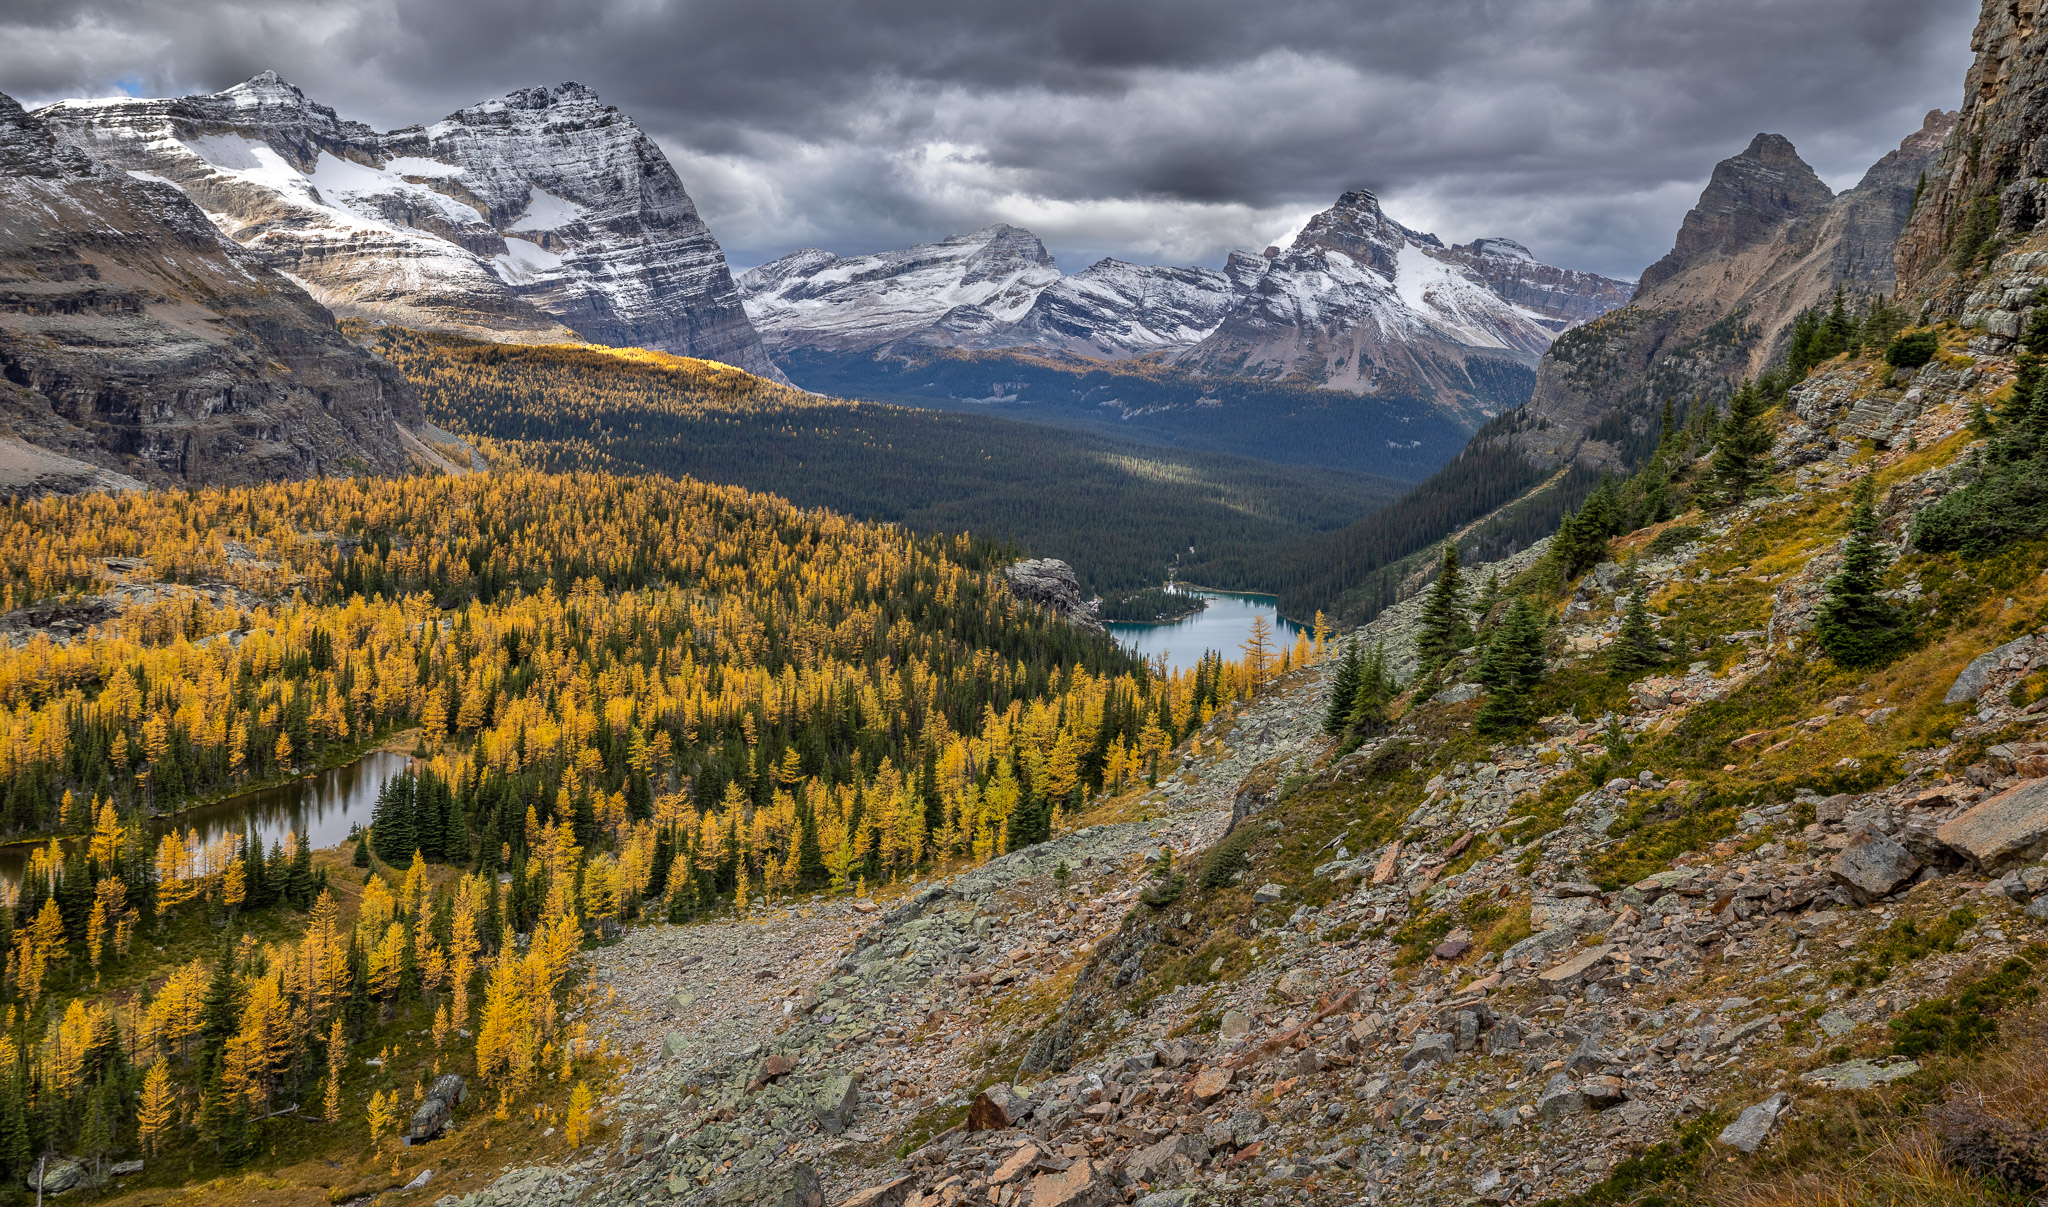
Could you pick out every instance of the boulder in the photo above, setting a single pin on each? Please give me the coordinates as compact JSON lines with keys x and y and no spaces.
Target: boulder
{"x":1085,"y":1183}
{"x":437,"y":1108}
{"x":1603,"y":1092}
{"x":1873,"y":866}
{"x":1014,"y":1165}
{"x":1970,"y":684}
{"x":1560,"y":1098}
{"x":997,"y":1107}
{"x":835,"y":1103}
{"x":888,"y":1194}
{"x":1210,"y":1084}
{"x":58,"y":1176}
{"x":123,"y":1169}
{"x":790,"y":1184}
{"x":1570,"y":972}
{"x":1429,"y":1048}
{"x":768,"y":1069}
{"x":1755,"y":1124}
{"x":1173,"y":1159}
{"x":2009,"y":826}
{"x":1267,"y":894}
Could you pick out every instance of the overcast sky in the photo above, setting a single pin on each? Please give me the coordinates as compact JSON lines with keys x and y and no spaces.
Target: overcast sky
{"x":1164,"y":131}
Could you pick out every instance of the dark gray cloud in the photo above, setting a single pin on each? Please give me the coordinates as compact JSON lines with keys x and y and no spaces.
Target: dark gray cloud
{"x":1159,"y":130}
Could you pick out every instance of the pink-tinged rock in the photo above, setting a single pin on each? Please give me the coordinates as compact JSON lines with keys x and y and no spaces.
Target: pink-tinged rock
{"x":1082,"y":1184}
{"x":1210,"y":1083}
{"x":1014,"y":1167}
{"x":888,"y":1194}
{"x":2009,"y":826}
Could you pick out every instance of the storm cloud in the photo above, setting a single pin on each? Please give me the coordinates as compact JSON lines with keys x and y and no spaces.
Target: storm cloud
{"x":1165,"y":131}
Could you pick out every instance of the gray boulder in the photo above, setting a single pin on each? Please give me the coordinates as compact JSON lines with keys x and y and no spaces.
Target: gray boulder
{"x":2009,"y":826}
{"x":1970,"y":684}
{"x":1755,"y":1124}
{"x":1175,"y":1158}
{"x":437,"y":1109}
{"x":1560,"y":1098}
{"x":1429,"y":1048}
{"x":1873,"y":866}
{"x":59,"y":1175}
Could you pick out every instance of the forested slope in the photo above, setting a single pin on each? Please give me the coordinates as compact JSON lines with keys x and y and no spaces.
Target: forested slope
{"x":1120,"y":512}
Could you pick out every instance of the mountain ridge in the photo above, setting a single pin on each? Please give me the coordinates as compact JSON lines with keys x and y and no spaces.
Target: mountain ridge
{"x":542,"y":215}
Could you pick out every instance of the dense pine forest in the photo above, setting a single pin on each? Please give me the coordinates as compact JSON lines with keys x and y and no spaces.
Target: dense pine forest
{"x":625,"y":697}
{"x":1398,"y":432}
{"x":1118,"y":511}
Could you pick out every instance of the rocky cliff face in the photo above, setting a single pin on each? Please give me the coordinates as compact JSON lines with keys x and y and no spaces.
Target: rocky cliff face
{"x":137,"y":346}
{"x":1560,"y":297}
{"x":542,"y":215}
{"x":1767,"y":240}
{"x":1997,"y":155}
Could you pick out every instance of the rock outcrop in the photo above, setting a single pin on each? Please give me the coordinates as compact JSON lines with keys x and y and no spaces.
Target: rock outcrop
{"x":136,"y":346}
{"x":1994,"y":161}
{"x":1050,"y":583}
{"x":543,"y":215}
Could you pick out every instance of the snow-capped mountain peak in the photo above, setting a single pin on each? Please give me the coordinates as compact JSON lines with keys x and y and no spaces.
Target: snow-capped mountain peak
{"x":542,"y":214}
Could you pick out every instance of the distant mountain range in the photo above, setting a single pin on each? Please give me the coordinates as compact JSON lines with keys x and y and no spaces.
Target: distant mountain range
{"x":548,"y":216}
{"x":1357,"y":302}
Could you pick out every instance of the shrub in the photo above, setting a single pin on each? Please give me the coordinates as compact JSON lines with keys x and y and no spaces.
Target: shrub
{"x":1911,"y":350}
{"x":1671,"y":540}
{"x":1962,"y":1023}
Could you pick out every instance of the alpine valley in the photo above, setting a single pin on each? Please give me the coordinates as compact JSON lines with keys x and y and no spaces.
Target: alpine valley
{"x":496,"y":712}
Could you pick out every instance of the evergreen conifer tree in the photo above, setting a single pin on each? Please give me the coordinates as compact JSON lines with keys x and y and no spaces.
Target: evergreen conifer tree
{"x":1343,"y":689}
{"x":1510,"y":669}
{"x":1376,"y":689}
{"x":391,"y":821}
{"x":1858,"y":627}
{"x":1445,"y":627}
{"x":1635,"y":647}
{"x":1489,"y":598}
{"x":1742,"y":447}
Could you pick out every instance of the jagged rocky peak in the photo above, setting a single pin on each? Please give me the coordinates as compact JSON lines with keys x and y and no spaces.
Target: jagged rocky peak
{"x":141,"y":348}
{"x":544,"y":214}
{"x":1359,"y":228}
{"x":1498,"y":249}
{"x":1745,"y":201}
